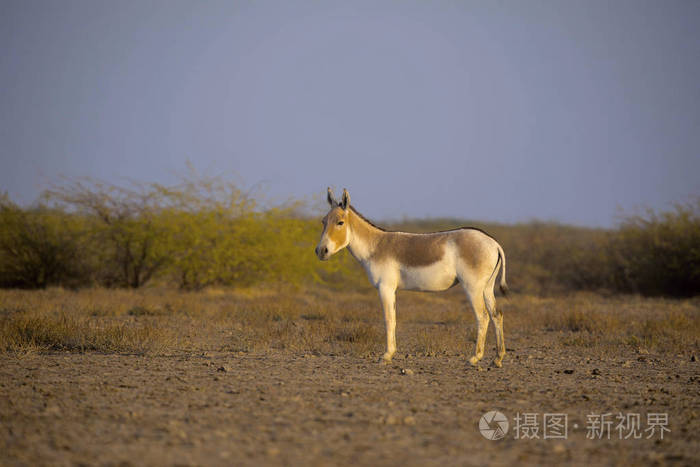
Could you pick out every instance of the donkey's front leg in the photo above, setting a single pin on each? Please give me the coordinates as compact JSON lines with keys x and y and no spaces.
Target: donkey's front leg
{"x":388,"y":297}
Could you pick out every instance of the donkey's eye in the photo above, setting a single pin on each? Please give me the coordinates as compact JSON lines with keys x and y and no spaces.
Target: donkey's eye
{"x":341,"y":223}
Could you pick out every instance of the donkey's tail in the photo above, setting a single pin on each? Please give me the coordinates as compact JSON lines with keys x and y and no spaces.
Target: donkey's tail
{"x":502,"y":258}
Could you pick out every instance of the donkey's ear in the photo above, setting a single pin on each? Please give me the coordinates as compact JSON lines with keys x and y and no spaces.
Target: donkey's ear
{"x":331,"y":198}
{"x":345,"y":201}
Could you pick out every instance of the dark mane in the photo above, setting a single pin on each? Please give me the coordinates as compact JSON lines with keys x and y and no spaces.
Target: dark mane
{"x":352,"y":208}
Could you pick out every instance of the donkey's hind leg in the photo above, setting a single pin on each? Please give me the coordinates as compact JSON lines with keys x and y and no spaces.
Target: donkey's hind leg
{"x":476,"y":300}
{"x":497,"y":318}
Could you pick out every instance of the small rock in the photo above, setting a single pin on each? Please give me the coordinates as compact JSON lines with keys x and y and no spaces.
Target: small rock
{"x":568,"y":372}
{"x":391,"y":420}
{"x":626,"y":364}
{"x":595,"y":371}
{"x":409,"y":420}
{"x":52,"y":410}
{"x":406,"y":371}
{"x":224,"y":368}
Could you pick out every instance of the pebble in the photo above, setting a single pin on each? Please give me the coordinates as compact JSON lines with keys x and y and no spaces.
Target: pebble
{"x":52,"y":410}
{"x":406,"y":371}
{"x":273,"y":451}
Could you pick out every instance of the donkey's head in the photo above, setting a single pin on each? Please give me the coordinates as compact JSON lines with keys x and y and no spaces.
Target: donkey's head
{"x":336,"y":233}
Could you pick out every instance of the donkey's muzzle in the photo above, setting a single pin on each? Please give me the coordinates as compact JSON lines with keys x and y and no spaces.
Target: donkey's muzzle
{"x":322,"y":253}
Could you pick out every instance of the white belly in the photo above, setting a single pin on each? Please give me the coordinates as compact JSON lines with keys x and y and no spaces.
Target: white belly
{"x":434,"y":277}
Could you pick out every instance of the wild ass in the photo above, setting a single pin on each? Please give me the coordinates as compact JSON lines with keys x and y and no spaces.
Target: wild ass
{"x":428,"y":262}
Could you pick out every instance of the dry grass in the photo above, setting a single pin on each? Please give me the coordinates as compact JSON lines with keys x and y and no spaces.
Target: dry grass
{"x":321,"y":321}
{"x":29,"y":331}
{"x":591,"y":320}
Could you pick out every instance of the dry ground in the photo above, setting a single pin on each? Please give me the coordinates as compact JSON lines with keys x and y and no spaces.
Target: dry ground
{"x":257,"y":377}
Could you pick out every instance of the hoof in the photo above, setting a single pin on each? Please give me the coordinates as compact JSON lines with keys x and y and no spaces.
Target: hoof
{"x":386,"y":358}
{"x":497,"y":363}
{"x":474,"y":361}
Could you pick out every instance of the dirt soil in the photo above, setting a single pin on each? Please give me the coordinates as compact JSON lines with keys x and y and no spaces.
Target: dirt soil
{"x":301,"y":409}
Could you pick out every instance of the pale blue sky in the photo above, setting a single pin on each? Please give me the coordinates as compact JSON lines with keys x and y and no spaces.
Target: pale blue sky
{"x":492,"y":110}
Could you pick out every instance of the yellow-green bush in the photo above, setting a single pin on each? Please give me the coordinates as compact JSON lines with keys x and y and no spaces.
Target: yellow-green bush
{"x":199,"y":233}
{"x":659,"y":253}
{"x":39,"y":247}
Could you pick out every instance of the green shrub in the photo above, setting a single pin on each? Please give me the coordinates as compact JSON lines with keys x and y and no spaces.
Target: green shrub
{"x":659,"y":253}
{"x":39,"y":247}
{"x":199,"y":233}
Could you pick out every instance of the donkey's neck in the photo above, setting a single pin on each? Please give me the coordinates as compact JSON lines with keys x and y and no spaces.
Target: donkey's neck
{"x":364,"y":237}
